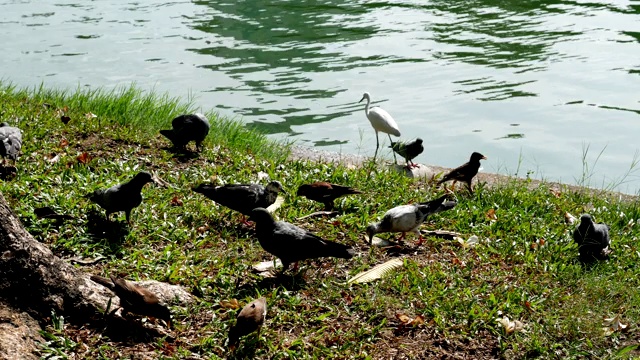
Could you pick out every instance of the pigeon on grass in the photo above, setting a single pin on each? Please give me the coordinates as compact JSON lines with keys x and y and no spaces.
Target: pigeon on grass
{"x":122,"y":197}
{"x":408,"y":150}
{"x":135,"y":299}
{"x":250,"y":319}
{"x":592,"y":239}
{"x":465,"y":172}
{"x":11,"y":138}
{"x":408,"y":218}
{"x":325,"y":192}
{"x":187,"y":128}
{"x":291,"y":244}
{"x":242,"y":197}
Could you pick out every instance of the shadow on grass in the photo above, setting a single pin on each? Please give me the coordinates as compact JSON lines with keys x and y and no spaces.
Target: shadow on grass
{"x":182,"y":155}
{"x":246,"y":348}
{"x":100,"y":228}
{"x":127,"y":329}
{"x":288,"y":281}
{"x":8,"y":172}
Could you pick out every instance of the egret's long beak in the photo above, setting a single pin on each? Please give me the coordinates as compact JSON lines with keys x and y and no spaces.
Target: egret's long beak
{"x":361,"y":99}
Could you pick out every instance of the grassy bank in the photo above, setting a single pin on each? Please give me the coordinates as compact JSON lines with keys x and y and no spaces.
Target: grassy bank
{"x":525,"y":266}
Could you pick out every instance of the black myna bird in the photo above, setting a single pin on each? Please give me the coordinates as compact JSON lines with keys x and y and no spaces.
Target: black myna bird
{"x":465,"y":172}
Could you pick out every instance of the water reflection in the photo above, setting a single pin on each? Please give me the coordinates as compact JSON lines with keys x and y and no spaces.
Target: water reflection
{"x":452,"y":72}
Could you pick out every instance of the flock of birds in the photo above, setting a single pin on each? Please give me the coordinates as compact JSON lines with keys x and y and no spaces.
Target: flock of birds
{"x":284,"y":240}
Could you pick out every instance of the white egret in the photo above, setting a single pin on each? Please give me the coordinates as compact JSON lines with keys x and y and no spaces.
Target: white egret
{"x":381,"y":121}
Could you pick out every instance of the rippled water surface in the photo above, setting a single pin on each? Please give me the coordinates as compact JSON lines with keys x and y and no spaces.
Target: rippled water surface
{"x":533,"y":85}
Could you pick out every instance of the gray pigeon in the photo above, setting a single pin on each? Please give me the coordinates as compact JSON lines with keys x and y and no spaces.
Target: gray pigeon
{"x":408,"y":218}
{"x":250,"y":319}
{"x":242,"y":197}
{"x":408,"y":150}
{"x":592,"y":239}
{"x":186,"y":128}
{"x":291,"y":243}
{"x":11,"y":138}
{"x":122,"y":197}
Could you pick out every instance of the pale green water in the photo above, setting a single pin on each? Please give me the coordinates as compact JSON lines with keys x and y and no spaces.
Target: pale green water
{"x":536,"y":81}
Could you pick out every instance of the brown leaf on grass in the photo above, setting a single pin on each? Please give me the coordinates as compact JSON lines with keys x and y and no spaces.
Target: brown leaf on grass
{"x":202,"y":229}
{"x":406,"y":320}
{"x":64,"y":143}
{"x":557,"y":193}
{"x":347,"y":298}
{"x":84,"y":158}
{"x":537,"y":244}
{"x":230,"y":304}
{"x":176,"y":202}
{"x":491,"y":215}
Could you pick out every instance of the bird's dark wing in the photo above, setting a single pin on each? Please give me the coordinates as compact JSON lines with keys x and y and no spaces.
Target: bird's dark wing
{"x":400,"y":148}
{"x":414,"y":149}
{"x":340,"y":190}
{"x":462,"y":172}
{"x":294,"y":243}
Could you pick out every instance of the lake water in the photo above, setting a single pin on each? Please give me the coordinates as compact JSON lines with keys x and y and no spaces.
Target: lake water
{"x":534,"y":85}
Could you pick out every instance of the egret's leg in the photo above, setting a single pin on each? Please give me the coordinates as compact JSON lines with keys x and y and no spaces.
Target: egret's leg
{"x":377,"y":146}
{"x":395,"y":161}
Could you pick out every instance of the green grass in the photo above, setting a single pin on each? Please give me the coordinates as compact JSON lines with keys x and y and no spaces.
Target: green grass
{"x":525,"y":268}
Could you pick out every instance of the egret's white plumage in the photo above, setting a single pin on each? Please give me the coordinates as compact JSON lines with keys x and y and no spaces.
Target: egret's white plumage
{"x":381,"y":121}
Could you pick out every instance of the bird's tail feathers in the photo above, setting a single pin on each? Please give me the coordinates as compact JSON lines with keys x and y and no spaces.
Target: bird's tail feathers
{"x":168,"y":134}
{"x":103,"y":281}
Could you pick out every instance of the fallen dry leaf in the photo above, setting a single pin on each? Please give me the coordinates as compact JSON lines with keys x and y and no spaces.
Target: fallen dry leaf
{"x":613,"y":324}
{"x":202,"y":229}
{"x":266,"y":265}
{"x":555,"y":192}
{"x":569,"y":219}
{"x":491,"y":215}
{"x":84,"y":158}
{"x":510,"y":326}
{"x":90,"y":115}
{"x":176,"y":202}
{"x":377,"y":271}
{"x":64,"y":143}
{"x":52,"y":158}
{"x":230,"y":304}
{"x":469,"y":243}
{"x":406,"y":320}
